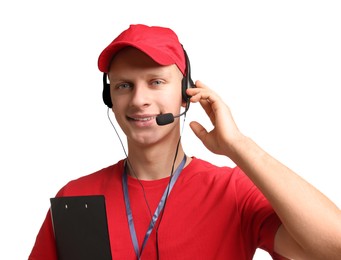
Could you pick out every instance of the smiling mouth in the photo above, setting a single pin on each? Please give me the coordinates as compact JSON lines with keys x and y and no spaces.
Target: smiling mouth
{"x":142,"y":119}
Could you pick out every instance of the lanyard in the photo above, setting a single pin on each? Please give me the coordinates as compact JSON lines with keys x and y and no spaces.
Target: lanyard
{"x":156,"y":213}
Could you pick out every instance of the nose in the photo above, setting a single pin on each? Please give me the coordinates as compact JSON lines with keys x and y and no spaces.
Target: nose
{"x":140,"y":96}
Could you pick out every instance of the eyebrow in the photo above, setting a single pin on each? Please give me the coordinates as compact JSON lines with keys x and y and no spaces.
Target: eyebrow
{"x":165,"y":74}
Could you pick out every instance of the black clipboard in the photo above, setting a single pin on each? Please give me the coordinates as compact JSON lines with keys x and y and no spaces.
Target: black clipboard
{"x":81,"y":228}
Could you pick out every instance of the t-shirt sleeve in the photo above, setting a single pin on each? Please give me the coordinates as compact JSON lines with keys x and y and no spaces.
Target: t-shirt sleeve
{"x":259,"y":221}
{"x":44,"y":246}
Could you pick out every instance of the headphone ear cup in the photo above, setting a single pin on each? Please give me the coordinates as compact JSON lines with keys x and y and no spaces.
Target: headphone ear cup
{"x":106,"y":92}
{"x":186,"y":83}
{"x":184,"y":86}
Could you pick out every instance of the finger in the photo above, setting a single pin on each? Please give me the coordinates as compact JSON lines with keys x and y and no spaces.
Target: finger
{"x":198,"y":130}
{"x":199,"y":86}
{"x":206,"y":105}
{"x":202,"y":92}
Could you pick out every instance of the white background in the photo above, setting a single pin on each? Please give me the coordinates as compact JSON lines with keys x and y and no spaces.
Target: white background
{"x":276,"y":63}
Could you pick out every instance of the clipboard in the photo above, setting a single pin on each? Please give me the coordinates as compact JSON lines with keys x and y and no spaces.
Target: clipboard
{"x":80,"y":227}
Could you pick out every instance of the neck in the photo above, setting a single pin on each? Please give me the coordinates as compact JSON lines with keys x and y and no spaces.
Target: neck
{"x":151,"y":164}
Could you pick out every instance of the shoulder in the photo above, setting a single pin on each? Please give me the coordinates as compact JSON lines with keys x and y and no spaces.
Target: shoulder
{"x":222,"y":179}
{"x":92,"y":183}
{"x":199,"y":168}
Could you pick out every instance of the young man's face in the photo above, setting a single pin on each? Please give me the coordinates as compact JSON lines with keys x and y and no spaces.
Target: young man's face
{"x":140,"y":90}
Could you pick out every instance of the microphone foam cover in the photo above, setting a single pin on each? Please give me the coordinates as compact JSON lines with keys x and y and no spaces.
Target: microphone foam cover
{"x":165,"y":119}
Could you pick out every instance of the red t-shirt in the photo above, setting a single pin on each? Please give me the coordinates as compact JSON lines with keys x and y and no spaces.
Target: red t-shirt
{"x":211,"y":213}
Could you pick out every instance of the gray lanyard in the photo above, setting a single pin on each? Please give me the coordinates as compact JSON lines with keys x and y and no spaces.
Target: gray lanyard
{"x":157,"y":211}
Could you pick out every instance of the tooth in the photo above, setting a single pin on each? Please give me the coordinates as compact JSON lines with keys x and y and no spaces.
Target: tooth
{"x":143,"y":119}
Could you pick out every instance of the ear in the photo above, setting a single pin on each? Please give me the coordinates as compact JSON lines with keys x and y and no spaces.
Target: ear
{"x":185,"y":104}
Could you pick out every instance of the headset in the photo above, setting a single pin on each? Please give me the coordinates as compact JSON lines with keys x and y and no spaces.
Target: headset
{"x":162,"y":119}
{"x":186,"y":83}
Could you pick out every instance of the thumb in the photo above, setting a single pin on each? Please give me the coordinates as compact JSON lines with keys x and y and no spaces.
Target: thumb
{"x":198,"y":130}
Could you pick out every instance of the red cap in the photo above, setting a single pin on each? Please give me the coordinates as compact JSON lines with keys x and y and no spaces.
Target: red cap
{"x":159,"y":43}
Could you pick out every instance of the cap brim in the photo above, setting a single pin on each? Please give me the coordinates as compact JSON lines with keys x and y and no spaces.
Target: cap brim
{"x":108,"y":53}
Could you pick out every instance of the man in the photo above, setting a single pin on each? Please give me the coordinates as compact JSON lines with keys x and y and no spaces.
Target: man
{"x":182,"y":207}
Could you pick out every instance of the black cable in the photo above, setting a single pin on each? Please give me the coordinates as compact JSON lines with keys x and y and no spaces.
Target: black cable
{"x":130,"y":166}
{"x":164,"y":207}
{"x":144,"y":193}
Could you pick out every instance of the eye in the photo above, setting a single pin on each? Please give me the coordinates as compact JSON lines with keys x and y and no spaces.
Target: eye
{"x":123,"y":85}
{"x":157,"y":82}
